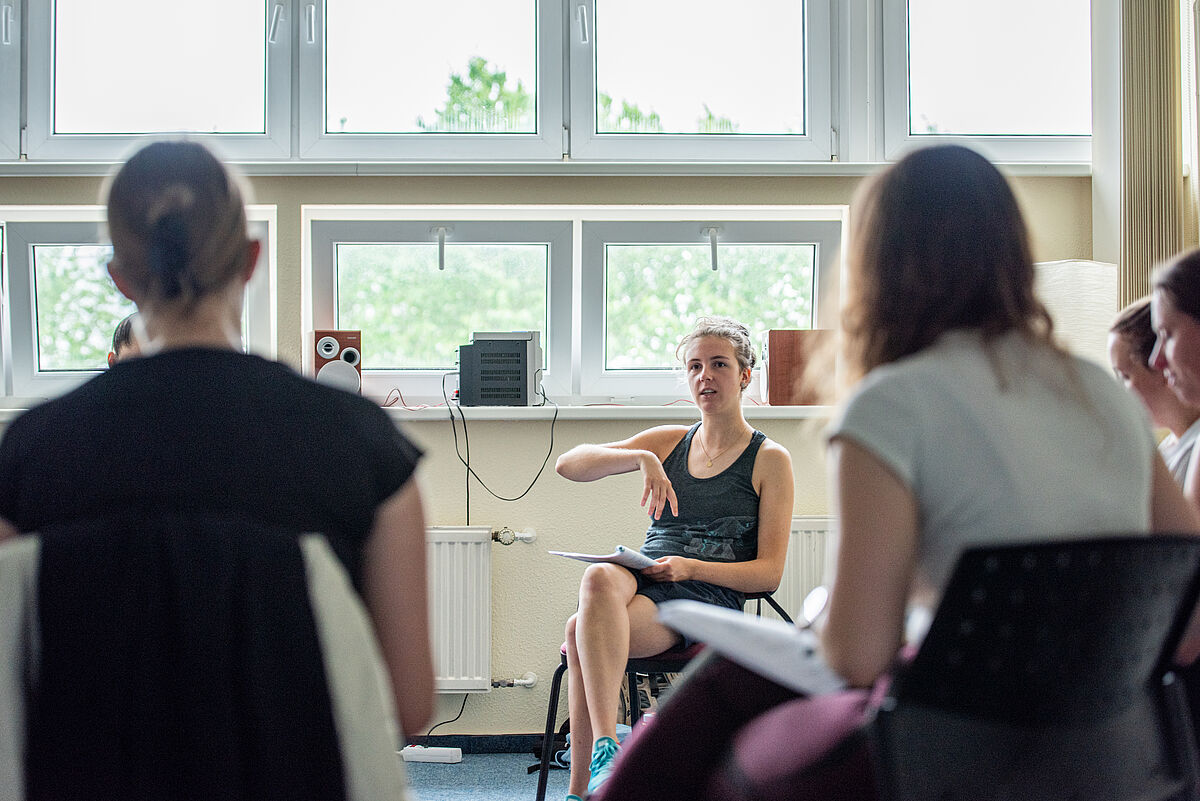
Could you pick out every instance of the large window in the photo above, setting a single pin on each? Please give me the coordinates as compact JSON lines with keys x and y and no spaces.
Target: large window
{"x":62,"y":306}
{"x":418,"y":282}
{"x":1020,"y":92}
{"x":423,"y":80}
{"x":75,"y":305}
{"x":101,"y":74}
{"x":720,"y":81}
{"x":532,"y":84}
{"x":650,"y":279}
{"x":417,"y":289}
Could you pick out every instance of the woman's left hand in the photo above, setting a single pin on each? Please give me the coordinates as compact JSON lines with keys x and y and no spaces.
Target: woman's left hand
{"x":671,"y":568}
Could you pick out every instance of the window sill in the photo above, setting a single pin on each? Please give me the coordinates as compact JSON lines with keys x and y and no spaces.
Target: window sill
{"x":680,"y":411}
{"x":565,"y":167}
{"x":12,"y":408}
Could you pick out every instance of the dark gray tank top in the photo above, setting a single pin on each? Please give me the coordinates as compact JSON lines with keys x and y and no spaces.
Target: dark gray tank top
{"x":718,"y":516}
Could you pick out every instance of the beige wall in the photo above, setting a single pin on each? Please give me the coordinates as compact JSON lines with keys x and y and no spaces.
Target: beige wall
{"x":533,"y":592}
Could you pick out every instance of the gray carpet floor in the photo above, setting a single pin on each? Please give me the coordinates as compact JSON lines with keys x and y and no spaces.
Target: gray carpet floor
{"x":494,"y":777}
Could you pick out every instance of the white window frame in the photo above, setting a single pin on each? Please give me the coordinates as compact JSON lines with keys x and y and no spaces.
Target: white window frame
{"x":824,"y":225}
{"x":10,"y":79}
{"x":325,"y":226}
{"x":545,"y":144}
{"x":22,"y":378}
{"x":42,"y":143}
{"x":816,"y":144}
{"x":898,"y":140}
{"x":857,"y":108}
{"x":574,"y":343}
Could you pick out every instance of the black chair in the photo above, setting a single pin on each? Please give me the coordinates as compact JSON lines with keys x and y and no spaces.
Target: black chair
{"x":657,"y":665}
{"x":1046,"y":673}
{"x":188,"y":656}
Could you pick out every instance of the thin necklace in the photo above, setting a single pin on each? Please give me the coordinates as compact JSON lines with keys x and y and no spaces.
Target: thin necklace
{"x":719,"y":455}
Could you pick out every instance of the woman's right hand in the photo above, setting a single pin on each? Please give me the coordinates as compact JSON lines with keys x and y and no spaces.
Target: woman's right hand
{"x":657,"y":487}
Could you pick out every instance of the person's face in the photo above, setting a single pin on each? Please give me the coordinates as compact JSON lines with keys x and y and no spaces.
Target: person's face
{"x":1177,"y":349}
{"x":713,"y":375}
{"x":1148,"y":384}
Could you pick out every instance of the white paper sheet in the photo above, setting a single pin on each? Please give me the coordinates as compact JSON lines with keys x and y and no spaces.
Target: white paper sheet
{"x":783,"y":653}
{"x":634,"y":560}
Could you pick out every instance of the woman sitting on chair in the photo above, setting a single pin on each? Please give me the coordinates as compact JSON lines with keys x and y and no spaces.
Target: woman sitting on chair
{"x":969,"y":425}
{"x":720,"y":503}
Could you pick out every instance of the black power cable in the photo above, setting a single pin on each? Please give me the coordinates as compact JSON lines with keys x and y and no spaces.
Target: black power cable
{"x":467,"y":446}
{"x":451,"y":720}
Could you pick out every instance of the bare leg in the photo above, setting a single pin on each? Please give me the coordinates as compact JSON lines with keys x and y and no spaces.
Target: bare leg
{"x":581,"y":722}
{"x":612,"y":623}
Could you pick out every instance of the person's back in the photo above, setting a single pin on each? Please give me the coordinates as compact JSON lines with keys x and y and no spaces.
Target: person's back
{"x":195,"y":425}
{"x":1040,"y":455}
{"x":207,"y":430}
{"x":969,"y":424}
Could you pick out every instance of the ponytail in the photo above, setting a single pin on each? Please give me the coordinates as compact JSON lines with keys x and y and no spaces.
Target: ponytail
{"x":167,"y":251}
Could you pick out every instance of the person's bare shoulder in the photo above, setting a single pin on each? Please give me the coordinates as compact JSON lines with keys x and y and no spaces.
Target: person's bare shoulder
{"x":773,"y":459}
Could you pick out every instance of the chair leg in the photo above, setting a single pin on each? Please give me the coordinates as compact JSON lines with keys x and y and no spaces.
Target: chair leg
{"x":635,"y":702}
{"x":548,"y":738}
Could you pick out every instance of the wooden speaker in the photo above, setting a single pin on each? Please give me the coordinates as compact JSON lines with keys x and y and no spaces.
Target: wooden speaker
{"x":338,"y":360}
{"x":788,"y":352}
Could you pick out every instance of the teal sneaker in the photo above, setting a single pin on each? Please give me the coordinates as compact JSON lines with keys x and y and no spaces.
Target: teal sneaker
{"x":604,"y":753}
{"x":573,"y":797}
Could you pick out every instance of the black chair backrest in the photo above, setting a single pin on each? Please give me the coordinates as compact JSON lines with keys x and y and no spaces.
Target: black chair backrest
{"x":1043,"y":672}
{"x":179,"y":658}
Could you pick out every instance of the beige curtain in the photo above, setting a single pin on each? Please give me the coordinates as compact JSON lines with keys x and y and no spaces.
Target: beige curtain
{"x":1152,"y":189}
{"x":1188,"y":22}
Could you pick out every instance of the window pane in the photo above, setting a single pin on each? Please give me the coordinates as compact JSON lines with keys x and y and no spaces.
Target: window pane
{"x":707,"y":66}
{"x":414,"y":316}
{"x":467,"y":66}
{"x":654,"y":293}
{"x":1022,"y":67}
{"x":146,"y":66}
{"x":77,"y":306}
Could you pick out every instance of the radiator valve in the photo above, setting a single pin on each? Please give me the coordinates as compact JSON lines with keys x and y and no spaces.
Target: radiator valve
{"x":506,"y":536}
{"x":528,"y":680}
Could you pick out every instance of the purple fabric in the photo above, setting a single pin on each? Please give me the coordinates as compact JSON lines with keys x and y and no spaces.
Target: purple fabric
{"x":727,"y":734}
{"x":672,"y":756}
{"x":807,"y":748}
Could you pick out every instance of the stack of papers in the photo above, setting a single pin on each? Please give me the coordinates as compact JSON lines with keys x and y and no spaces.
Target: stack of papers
{"x":634,"y":560}
{"x":787,"y":655}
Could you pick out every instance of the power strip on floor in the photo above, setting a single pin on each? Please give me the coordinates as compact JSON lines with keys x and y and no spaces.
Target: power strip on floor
{"x":419,"y":753}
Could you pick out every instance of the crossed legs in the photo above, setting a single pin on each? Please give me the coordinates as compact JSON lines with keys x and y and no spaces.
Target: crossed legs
{"x":613,"y":623}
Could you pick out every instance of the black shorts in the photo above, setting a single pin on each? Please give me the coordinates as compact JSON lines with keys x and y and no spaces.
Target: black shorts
{"x":659,"y":591}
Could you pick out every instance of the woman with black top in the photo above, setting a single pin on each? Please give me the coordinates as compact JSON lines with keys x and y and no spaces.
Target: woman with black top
{"x":719,"y":495}
{"x":197,"y":426}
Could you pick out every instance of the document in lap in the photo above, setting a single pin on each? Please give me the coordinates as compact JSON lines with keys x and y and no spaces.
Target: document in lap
{"x":627,"y":557}
{"x":779,"y":651}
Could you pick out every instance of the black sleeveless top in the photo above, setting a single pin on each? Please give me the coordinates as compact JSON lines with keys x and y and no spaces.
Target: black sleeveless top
{"x":718,"y":516}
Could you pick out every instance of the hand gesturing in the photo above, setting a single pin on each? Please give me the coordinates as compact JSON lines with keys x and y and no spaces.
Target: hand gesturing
{"x":657,"y":487}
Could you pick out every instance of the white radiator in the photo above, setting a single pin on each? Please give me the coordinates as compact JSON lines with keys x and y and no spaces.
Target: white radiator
{"x":460,"y":606}
{"x":805,"y":566}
